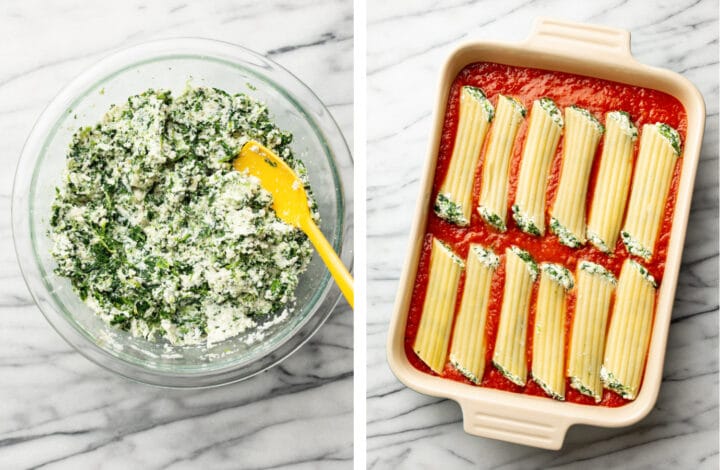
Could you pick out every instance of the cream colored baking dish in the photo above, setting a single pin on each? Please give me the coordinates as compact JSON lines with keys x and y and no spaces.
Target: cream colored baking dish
{"x":594,"y":51}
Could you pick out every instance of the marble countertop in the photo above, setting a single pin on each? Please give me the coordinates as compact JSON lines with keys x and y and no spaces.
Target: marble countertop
{"x":59,"y":410}
{"x":407,"y":43}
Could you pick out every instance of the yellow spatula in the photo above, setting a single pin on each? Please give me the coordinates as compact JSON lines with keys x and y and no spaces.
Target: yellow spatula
{"x":291,"y":205}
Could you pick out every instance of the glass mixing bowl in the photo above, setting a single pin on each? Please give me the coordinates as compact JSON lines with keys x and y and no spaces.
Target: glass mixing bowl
{"x":171,"y":64}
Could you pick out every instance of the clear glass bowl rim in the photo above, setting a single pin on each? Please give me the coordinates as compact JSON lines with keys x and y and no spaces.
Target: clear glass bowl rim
{"x":328,"y":132}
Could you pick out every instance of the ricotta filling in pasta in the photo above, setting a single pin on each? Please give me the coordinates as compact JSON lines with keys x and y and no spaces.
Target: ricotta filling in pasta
{"x":159,"y":235}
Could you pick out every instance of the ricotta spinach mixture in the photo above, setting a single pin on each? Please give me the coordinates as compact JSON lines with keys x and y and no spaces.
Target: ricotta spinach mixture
{"x":159,"y":235}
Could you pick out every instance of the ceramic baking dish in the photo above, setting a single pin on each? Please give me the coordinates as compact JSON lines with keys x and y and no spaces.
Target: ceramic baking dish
{"x":593,"y":51}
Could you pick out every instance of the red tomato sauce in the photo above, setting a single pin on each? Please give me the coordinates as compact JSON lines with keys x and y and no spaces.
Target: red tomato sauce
{"x":599,"y":97}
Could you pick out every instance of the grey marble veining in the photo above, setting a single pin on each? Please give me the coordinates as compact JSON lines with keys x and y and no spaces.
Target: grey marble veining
{"x":57,"y":409}
{"x":407,"y":43}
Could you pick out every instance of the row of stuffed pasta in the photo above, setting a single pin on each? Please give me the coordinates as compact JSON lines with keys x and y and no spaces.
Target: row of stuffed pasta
{"x":598,"y":355}
{"x":660,"y":147}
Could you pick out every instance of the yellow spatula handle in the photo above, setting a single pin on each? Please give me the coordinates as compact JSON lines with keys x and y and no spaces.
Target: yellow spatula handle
{"x":339,"y":272}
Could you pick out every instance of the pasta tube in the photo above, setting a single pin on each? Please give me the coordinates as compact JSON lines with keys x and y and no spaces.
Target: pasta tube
{"x":629,"y":333}
{"x":455,"y":197}
{"x":509,"y":356}
{"x":659,"y":150}
{"x":613,"y":181}
{"x":433,"y":333}
{"x":467,"y":353}
{"x":544,"y":131}
{"x":492,"y":206}
{"x":548,"y":359}
{"x":595,"y":286}
{"x":582,"y":136}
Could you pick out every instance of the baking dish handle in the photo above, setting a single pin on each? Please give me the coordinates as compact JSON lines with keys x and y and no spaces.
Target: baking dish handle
{"x":579,"y":39}
{"x":508,"y":423}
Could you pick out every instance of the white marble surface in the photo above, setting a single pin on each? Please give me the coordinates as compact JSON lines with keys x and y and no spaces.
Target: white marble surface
{"x":407,"y":43}
{"x":57,"y":409}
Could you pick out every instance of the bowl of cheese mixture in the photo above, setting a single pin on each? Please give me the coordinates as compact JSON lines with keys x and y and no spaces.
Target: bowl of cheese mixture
{"x":141,"y":244}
